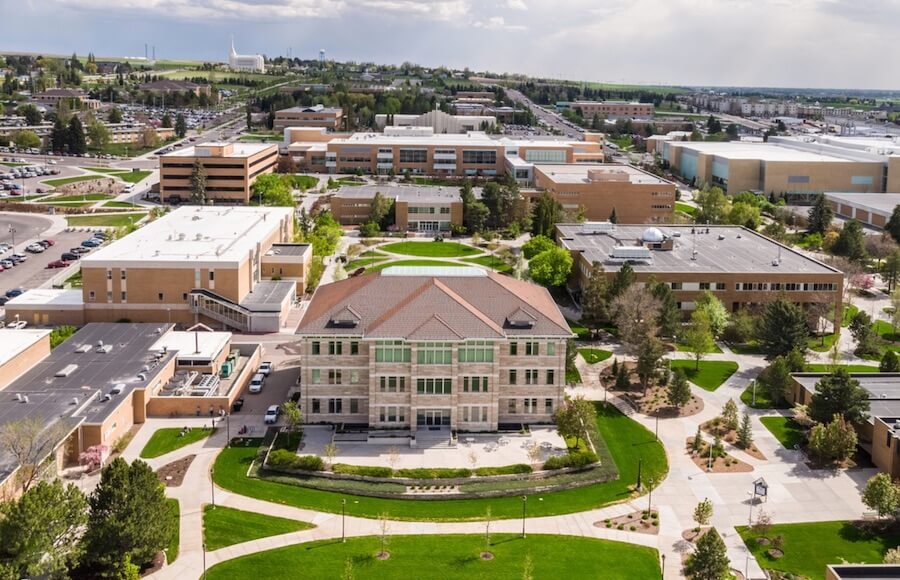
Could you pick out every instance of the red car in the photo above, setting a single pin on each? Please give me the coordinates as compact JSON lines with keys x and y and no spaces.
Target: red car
{"x":47,"y":243}
{"x":58,"y":264}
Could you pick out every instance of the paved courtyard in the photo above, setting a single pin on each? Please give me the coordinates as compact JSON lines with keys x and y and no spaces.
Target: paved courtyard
{"x":487,"y":450}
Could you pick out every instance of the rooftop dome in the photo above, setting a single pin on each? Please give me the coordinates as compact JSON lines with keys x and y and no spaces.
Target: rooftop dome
{"x":653,"y":235}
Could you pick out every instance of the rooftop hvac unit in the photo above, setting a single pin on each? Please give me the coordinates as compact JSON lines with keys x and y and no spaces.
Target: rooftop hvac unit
{"x":598,"y":227}
{"x":83,"y":348}
{"x":66,"y":370}
{"x":630,"y":254}
{"x":104,"y":348}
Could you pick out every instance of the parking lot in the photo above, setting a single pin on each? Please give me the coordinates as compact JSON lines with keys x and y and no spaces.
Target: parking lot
{"x":30,"y":185}
{"x":33,"y":272}
{"x":276,"y":391}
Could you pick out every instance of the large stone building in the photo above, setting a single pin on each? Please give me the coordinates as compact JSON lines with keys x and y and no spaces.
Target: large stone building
{"x":331,"y":118}
{"x":432,"y":349}
{"x":739,"y":266}
{"x":416,"y":208}
{"x":636,"y":195}
{"x":612,"y":109}
{"x":169,"y":86}
{"x":231,"y":170}
{"x":438,"y":120}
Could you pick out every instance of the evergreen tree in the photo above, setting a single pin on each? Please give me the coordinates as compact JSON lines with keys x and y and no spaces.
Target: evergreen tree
{"x":820,"y":215}
{"x":624,"y":278}
{"x":889,"y":362}
{"x":729,"y":414}
{"x":546,"y":214}
{"x":623,"y":380}
{"x":745,"y":432}
{"x":839,"y":393}
{"x":129,"y":516}
{"x":851,"y":243}
{"x":697,"y":442}
{"x":77,"y":141}
{"x":678,"y":393}
{"x":710,"y":559}
{"x":669,"y":319}
{"x":613,"y":218}
{"x":180,"y":126}
{"x":198,"y":184}
{"x":59,"y":136}
{"x":115,"y":115}
{"x":594,"y":305}
{"x":166,"y":122}
{"x":783,"y":328}
{"x":893,"y":225}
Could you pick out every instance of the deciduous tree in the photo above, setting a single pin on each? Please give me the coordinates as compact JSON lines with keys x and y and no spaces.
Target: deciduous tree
{"x":636,"y":313}
{"x":882,"y":495}
{"x":703,"y":512}
{"x":834,"y":441}
{"x":551,"y":267}
{"x":198,"y":184}
{"x":698,"y":337}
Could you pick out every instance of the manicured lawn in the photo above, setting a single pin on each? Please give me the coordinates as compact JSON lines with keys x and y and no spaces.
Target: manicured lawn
{"x":437,"y":263}
{"x":224,"y":526}
{"x":578,"y":329}
{"x":12,"y":164}
{"x":175,"y":515}
{"x":431,"y":249}
{"x":104,"y":169}
{"x":363,"y":263}
{"x":133,"y":176}
{"x":627,"y":441}
{"x":763,"y":400}
{"x":681,"y":347}
{"x":303,"y":182}
{"x":785,"y":430}
{"x":169,"y":439}
{"x":827,"y":368}
{"x":112,"y":221}
{"x":849,"y":312}
{"x":685,"y":208}
{"x":594,"y":355}
{"x":120,"y":204}
{"x":711,"y":374}
{"x":746,"y":348}
{"x":809,"y":547}
{"x":490,"y":262}
{"x":449,"y":557}
{"x":85,"y":197}
{"x":67,"y":203}
{"x":67,"y":180}
{"x":573,"y":376}
{"x":820,"y":344}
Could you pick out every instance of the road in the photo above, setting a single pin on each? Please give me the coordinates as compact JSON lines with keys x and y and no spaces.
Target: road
{"x":29,"y":228}
{"x":554,"y":120}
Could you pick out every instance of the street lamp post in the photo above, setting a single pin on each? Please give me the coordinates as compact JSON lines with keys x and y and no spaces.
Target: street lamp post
{"x":753,"y":382}
{"x":343,"y":520}
{"x":657,"y":425}
{"x":639,"y":473}
{"x":212,"y":486}
{"x":204,"y":560}
{"x":663,"y":575}
{"x":524,"y":503}
{"x":650,"y":483}
{"x":12,"y":231}
{"x":709,"y":463}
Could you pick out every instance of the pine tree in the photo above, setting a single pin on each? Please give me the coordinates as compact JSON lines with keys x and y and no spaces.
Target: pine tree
{"x":59,"y":136}
{"x":710,"y":559}
{"x":623,"y":381}
{"x":745,"y":433}
{"x":678,"y":393}
{"x":180,"y":126}
{"x":76,"y":139}
{"x":615,"y":367}
{"x":729,"y":414}
{"x":198,"y":184}
{"x":893,"y":225}
{"x":783,"y":328}
{"x":697,"y":443}
{"x":820,"y":215}
{"x":166,"y":122}
{"x":594,"y":305}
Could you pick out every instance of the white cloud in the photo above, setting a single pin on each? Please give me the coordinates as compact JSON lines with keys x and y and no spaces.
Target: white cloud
{"x":497,"y":23}
{"x":516,"y":5}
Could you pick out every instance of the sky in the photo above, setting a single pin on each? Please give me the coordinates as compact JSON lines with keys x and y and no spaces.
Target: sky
{"x":793,"y":43}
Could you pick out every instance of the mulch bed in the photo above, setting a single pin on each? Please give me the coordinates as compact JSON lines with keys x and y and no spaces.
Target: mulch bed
{"x":172,"y":474}
{"x":634,"y":522}
{"x":159,"y":560}
{"x":727,"y":464}
{"x":730,"y":436}
{"x":654,"y":402}
{"x":694,"y":534}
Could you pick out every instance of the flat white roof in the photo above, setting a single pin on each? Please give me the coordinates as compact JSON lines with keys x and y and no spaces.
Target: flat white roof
{"x":474,"y":138}
{"x":239,"y":149}
{"x":880,"y":203}
{"x":49,"y":298}
{"x":14,"y":342}
{"x":578,"y":172}
{"x":193,"y":236}
{"x":199,"y":345}
{"x":762,"y":151}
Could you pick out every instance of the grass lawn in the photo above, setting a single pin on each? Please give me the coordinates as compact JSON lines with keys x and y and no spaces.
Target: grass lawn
{"x":174,"y":514}
{"x":363,"y":263}
{"x":112,"y":221}
{"x":490,"y":262}
{"x":573,"y":375}
{"x":132,"y":176}
{"x":849,"y":312}
{"x":120,"y":204}
{"x":578,"y":329}
{"x":67,"y":203}
{"x":826,"y":368}
{"x":224,"y":526}
{"x":594,"y":355}
{"x":169,"y":439}
{"x":303,"y":182}
{"x":438,"y":263}
{"x":67,"y":180}
{"x":685,"y":208}
{"x":711,"y":374}
{"x":763,"y":400}
{"x":85,"y":197}
{"x":12,"y":163}
{"x":449,"y":557}
{"x":104,"y":169}
{"x":785,"y":430}
{"x":431,"y":249}
{"x":817,"y":344}
{"x":746,"y":348}
{"x":626,"y":440}
{"x":681,"y":347}
{"x":809,"y":547}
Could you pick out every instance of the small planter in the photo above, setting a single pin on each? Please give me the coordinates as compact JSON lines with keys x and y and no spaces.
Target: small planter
{"x":775,"y":553}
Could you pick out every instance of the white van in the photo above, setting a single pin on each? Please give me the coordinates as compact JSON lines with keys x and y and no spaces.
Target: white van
{"x":256,"y":383}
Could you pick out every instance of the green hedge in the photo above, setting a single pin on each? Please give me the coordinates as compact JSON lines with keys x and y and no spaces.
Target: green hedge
{"x":515,"y":469}
{"x":284,"y":459}
{"x":310,"y":463}
{"x":434,"y":473}
{"x":364,"y":470}
{"x":577,"y":459}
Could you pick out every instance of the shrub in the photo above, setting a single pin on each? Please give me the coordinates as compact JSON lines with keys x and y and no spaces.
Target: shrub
{"x":363,"y":470}
{"x":283,"y":459}
{"x":578,"y":459}
{"x":310,"y":463}
{"x":515,"y":469}
{"x":434,"y":473}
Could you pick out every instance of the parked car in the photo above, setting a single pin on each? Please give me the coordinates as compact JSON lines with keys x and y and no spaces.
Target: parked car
{"x":237,"y":405}
{"x":3,"y":300}
{"x":7,"y":264}
{"x":266,"y":368}
{"x":35,"y":248}
{"x":58,"y":264}
{"x":70,"y":256}
{"x":91,"y":243}
{"x":272,"y":414}
{"x":256,"y":383}
{"x":15,"y":292}
{"x":47,"y":243}
{"x":79,"y":250}
{"x":18,"y":258}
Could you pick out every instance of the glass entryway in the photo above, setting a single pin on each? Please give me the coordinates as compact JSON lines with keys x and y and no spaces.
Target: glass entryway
{"x":429,"y":226}
{"x":432,"y":417}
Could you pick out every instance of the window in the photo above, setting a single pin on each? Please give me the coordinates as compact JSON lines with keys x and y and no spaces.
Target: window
{"x":316,"y":347}
{"x":334,"y":377}
{"x":212,"y":276}
{"x":704,"y":285}
{"x":413,"y":156}
{"x":720,"y":285}
{"x":161,"y":296}
{"x":354,"y":348}
{"x":392,"y":384}
{"x":476,"y":351}
{"x":551,"y":376}
{"x":512,"y":376}
{"x":354,"y":406}
{"x":530,"y":406}
{"x":532,"y":348}
{"x":434,"y":353}
{"x":315,"y":376}
{"x":475,"y":414}
{"x":531,"y":377}
{"x":513,"y":348}
{"x":551,"y":348}
{"x":392,"y":414}
{"x":511,"y":407}
{"x":316,"y":406}
{"x":335,"y":406}
{"x":433,"y":386}
{"x":184,"y":296}
{"x":109,"y":274}
{"x":475,"y":384}
{"x":676,"y":285}
{"x":548,"y":406}
{"x":335,"y":347}
{"x":124,"y":296}
{"x":123,"y":275}
{"x":109,"y":296}
{"x":392,"y":351}
{"x":480,"y":157}
{"x":354,"y":377}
